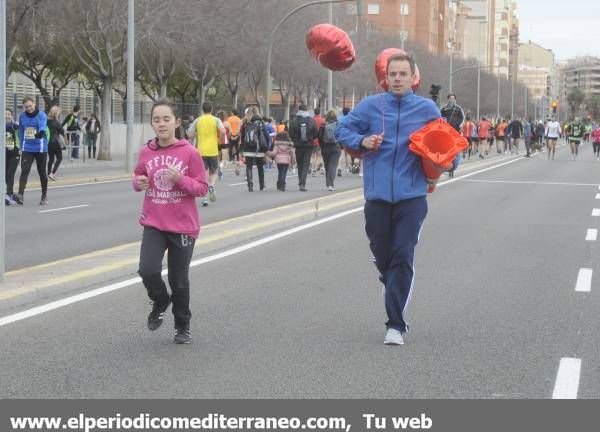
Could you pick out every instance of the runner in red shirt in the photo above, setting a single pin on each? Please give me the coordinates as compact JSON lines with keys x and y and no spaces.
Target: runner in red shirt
{"x":484,"y":132}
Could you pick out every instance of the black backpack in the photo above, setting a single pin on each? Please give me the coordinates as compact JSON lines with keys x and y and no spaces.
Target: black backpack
{"x":302,"y":126}
{"x":256,"y":138}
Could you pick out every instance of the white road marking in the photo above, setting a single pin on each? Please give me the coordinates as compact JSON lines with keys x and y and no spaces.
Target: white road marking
{"x":596,"y":212}
{"x":598,"y":196}
{"x":63,"y":208}
{"x":567,"y":379}
{"x":584,"y":280}
{"x":84,"y":184}
{"x":28,"y":313}
{"x":531,"y":182}
{"x":591,"y":234}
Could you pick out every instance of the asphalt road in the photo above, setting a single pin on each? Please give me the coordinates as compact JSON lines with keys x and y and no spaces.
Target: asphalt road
{"x":493,"y":312}
{"x":86,"y":218}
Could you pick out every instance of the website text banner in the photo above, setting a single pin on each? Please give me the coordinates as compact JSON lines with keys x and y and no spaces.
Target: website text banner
{"x":299,"y":415}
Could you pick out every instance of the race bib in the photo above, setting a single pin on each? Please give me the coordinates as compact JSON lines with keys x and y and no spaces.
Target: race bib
{"x":30,"y":133}
{"x":9,"y":141}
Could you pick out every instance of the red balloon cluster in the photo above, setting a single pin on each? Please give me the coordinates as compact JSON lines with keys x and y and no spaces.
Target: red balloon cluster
{"x":381,"y":66}
{"x":331,"y":47}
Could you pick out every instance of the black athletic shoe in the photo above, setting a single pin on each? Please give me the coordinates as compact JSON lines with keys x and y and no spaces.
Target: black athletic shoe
{"x":182,"y":335}
{"x":18,"y":199}
{"x":155,"y":318}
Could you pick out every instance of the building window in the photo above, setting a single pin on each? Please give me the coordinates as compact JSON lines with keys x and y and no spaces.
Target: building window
{"x":373,"y":9}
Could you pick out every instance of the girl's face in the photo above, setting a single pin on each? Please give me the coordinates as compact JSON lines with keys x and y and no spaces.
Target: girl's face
{"x":8,"y":117}
{"x":164,"y":123}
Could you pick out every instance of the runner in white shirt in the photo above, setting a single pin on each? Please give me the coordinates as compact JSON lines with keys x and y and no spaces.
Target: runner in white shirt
{"x":552,"y":132}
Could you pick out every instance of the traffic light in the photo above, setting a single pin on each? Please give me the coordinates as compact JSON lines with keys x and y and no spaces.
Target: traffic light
{"x":554,"y":106}
{"x":360,"y":7}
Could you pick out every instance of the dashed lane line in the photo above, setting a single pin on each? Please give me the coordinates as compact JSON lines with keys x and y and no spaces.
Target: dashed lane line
{"x":566,"y":385}
{"x":584,"y":280}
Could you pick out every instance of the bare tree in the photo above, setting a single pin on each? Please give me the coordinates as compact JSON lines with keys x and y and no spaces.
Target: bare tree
{"x":17,"y":13}
{"x":101,"y":46}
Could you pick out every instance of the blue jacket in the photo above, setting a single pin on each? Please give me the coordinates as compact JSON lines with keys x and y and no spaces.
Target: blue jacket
{"x":393,"y":173}
{"x":32,"y":125}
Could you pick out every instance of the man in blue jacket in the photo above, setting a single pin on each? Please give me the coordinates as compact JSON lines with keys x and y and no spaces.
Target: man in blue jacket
{"x":32,"y":135}
{"x":395,"y":186}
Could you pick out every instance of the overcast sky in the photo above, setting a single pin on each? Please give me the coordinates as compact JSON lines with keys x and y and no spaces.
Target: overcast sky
{"x":568,"y":27}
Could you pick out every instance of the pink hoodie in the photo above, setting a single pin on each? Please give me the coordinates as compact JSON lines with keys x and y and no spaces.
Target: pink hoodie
{"x":169,"y":206}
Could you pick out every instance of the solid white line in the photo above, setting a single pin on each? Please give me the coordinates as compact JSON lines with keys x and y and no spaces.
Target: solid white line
{"x":531,"y":182}
{"x":126,"y":283}
{"x":84,"y":184}
{"x":596,"y":212}
{"x":567,"y":379}
{"x":591,"y":234}
{"x":96,"y":292}
{"x":64,"y":208}
{"x":584,"y":280}
{"x":598,"y":196}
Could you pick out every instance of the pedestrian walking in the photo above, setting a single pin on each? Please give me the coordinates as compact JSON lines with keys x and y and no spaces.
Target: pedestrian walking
{"x":172,"y":174}
{"x":55,"y":142}
{"x":527,"y":136}
{"x":32,"y":135}
{"x":395,"y":185}
{"x":515,"y":133}
{"x":283,"y":155}
{"x":595,"y":135}
{"x":455,"y":116}
{"x":303,"y":131}
{"x":92,"y":129}
{"x":330,"y":149}
{"x":254,"y":146}
{"x":12,"y":156}
{"x":575,"y":132}
{"x":209,"y":131}
{"x":552,"y":132}
{"x":71,"y":122}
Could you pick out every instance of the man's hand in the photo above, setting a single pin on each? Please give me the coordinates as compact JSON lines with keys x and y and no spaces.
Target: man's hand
{"x":173,"y":174}
{"x":372,"y":142}
{"x":143,"y":182}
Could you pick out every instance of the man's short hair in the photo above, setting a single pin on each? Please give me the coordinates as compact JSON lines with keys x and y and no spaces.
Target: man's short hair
{"x":76,"y":108}
{"x":401,"y":57}
{"x":302,"y":107}
{"x":207,"y":107}
{"x":317,"y":111}
{"x":451,"y":94}
{"x":345,"y":110}
{"x":26,"y":99}
{"x":235,"y":112}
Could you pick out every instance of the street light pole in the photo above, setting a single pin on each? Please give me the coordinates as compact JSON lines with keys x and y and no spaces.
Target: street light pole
{"x":329,"y":71}
{"x":268,"y":85}
{"x":403,"y":11}
{"x":130,"y":86}
{"x":2,"y":136}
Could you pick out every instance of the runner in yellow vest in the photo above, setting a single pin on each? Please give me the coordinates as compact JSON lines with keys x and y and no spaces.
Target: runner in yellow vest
{"x":208,"y":130}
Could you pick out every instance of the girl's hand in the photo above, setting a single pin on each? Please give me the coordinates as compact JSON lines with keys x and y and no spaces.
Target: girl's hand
{"x":143,"y":182}
{"x":173,"y":174}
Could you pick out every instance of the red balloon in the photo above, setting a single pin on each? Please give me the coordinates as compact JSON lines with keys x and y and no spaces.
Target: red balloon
{"x":381,"y":66}
{"x":330,"y":46}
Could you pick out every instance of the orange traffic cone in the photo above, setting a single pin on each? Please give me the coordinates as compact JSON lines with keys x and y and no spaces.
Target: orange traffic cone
{"x":437,"y":143}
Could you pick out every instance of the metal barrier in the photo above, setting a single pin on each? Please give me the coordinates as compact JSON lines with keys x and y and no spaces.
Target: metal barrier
{"x":76,"y":146}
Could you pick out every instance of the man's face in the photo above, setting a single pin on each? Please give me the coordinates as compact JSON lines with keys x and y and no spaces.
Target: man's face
{"x":451,"y":100}
{"x":399,"y":77}
{"x":29,"y":107}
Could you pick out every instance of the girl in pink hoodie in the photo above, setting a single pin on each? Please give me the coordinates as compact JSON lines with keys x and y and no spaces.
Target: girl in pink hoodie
{"x":171,"y":173}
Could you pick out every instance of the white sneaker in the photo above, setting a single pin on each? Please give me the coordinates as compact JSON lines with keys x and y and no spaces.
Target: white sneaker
{"x":393,"y":337}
